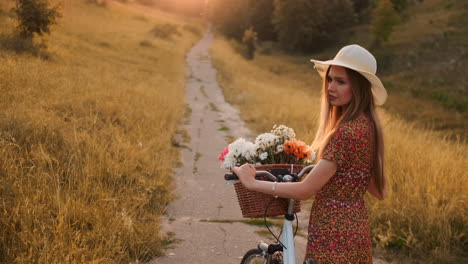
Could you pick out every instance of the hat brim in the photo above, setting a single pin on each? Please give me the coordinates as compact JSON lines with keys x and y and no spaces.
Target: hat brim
{"x":378,"y":89}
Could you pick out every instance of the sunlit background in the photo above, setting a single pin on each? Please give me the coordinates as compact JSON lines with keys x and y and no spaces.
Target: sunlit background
{"x":92,"y":96}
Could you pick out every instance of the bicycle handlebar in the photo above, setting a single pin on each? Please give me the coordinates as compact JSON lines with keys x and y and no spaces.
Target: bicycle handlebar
{"x":270,"y":177}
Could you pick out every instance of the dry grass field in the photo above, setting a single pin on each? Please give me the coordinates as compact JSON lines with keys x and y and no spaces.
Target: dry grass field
{"x":424,"y":218}
{"x":86,"y":131}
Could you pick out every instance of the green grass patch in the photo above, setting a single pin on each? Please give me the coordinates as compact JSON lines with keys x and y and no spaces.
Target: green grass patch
{"x":229,"y":138}
{"x":214,"y":108}
{"x":197,"y":156}
{"x":264,"y":233}
{"x":165,"y":31}
{"x":253,"y":221}
{"x":185,"y":135}
{"x":203,"y":91}
{"x":224,"y":128}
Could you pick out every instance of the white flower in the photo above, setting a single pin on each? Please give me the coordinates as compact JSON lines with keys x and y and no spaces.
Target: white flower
{"x":239,"y":151}
{"x":266,"y":140}
{"x":263,"y":156}
{"x":284,"y":132}
{"x":311,"y":156}
{"x":279,"y":148}
{"x":229,"y":162}
{"x":243,"y":148}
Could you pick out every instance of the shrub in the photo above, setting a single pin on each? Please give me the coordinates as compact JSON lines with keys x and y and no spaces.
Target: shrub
{"x":146,"y":43}
{"x":231,"y":17}
{"x":249,"y":43}
{"x":35,"y":16}
{"x":192,"y":29}
{"x":311,"y":25}
{"x":165,"y":31}
{"x":384,"y":20}
{"x":400,"y":5}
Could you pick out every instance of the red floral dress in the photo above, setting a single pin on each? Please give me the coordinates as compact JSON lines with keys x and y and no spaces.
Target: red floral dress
{"x":338,"y":228}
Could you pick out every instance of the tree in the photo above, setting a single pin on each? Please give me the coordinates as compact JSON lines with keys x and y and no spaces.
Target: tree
{"x":384,"y":21}
{"x":35,"y":16}
{"x":399,"y":5}
{"x":260,"y":18}
{"x":360,"y":5}
{"x":308,"y":25}
{"x":249,"y":42}
{"x":231,"y":17}
{"x":362,"y":8}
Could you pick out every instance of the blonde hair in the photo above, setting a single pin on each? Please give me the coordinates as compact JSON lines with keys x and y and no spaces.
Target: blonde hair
{"x":331,"y":117}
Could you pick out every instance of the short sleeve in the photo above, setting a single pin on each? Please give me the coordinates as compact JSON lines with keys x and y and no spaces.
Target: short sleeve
{"x":340,"y":146}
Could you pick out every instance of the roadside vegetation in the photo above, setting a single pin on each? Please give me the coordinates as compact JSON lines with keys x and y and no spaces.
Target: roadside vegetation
{"x":420,"y":46}
{"x":424,"y":218}
{"x":87,"y":115}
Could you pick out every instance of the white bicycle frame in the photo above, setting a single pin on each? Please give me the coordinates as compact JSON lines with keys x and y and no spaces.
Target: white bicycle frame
{"x":287,"y":235}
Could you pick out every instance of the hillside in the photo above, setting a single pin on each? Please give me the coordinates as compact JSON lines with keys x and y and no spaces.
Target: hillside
{"x":86,"y":128}
{"x":424,"y":65}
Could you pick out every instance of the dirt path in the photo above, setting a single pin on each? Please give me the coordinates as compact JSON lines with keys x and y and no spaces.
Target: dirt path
{"x":200,"y":185}
{"x":202,"y":192}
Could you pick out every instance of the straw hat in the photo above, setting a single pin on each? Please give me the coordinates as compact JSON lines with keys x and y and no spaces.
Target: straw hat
{"x":359,"y":59}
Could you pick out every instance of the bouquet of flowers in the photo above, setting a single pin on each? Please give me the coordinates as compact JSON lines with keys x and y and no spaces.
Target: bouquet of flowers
{"x":280,"y":146}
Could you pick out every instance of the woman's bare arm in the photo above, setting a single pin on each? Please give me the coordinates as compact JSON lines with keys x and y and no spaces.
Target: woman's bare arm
{"x":303,"y":190}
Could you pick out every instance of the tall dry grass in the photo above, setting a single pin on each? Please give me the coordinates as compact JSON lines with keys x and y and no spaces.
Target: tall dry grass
{"x":85,"y":137}
{"x":424,"y":217}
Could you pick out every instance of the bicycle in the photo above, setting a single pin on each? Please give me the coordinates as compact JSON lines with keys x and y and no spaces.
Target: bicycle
{"x":264,"y":253}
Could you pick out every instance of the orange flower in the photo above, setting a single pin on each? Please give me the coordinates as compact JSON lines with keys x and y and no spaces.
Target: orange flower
{"x":297,"y":148}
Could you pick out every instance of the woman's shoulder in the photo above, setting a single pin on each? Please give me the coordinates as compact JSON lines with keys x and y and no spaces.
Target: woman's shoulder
{"x":359,"y":126}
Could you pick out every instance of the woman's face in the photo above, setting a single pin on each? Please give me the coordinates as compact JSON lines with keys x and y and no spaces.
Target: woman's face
{"x":339,"y":86}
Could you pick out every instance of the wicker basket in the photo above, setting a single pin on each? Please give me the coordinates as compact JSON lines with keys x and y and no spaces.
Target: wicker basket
{"x":253,"y":203}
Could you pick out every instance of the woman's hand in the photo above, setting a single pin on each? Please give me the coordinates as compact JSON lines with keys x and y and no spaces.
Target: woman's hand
{"x":246,"y":174}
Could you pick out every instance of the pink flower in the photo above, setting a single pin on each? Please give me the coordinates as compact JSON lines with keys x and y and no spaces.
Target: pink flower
{"x":223,"y":154}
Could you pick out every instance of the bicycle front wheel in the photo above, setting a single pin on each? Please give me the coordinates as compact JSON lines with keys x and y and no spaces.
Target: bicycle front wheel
{"x":254,"y":256}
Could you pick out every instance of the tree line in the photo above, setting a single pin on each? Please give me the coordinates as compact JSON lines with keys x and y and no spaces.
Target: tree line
{"x":297,"y":25}
{"x":304,"y":25}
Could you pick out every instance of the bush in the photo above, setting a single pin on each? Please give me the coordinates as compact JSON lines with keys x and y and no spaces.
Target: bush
{"x":400,"y":5}
{"x":35,"y":16}
{"x":384,"y":20}
{"x":165,"y":31}
{"x":310,"y":25}
{"x":18,"y":44}
{"x":146,"y":43}
{"x":192,"y":29}
{"x":249,"y":43}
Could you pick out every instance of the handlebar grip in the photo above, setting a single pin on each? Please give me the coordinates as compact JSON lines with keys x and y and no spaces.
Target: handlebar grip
{"x":230,"y":177}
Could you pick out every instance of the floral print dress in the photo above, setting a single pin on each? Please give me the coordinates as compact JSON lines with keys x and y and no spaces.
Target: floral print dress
{"x":338,"y":226}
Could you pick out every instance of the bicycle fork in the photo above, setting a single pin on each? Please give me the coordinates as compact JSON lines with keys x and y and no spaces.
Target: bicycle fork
{"x":287,"y":236}
{"x":286,"y":240}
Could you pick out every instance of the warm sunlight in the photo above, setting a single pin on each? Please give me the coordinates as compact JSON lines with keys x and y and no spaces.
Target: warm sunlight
{"x":124,"y":122}
{"x":194,"y":7}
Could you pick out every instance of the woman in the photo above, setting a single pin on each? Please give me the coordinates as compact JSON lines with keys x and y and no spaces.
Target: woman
{"x":350,"y":150}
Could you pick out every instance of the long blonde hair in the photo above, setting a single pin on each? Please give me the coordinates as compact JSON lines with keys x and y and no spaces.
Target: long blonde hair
{"x":331,"y":117}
